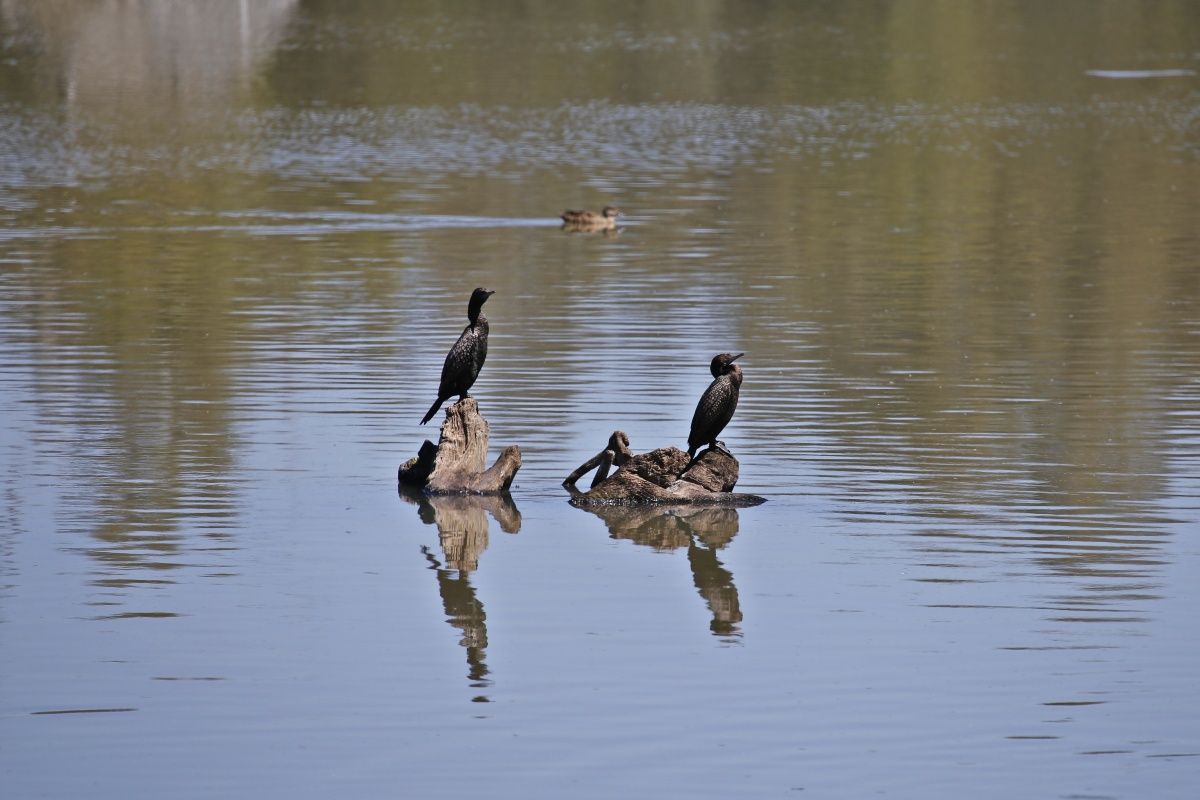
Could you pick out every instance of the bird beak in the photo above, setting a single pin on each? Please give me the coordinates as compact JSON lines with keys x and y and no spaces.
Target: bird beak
{"x":735,"y":358}
{"x":492,"y":292}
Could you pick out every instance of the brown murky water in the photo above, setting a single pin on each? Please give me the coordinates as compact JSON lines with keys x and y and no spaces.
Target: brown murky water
{"x":957,"y":241}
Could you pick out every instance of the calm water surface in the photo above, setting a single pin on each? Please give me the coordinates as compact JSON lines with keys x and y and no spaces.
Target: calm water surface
{"x":958,"y":243}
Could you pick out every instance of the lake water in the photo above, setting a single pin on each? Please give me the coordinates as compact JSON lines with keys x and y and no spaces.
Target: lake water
{"x":958,"y":242}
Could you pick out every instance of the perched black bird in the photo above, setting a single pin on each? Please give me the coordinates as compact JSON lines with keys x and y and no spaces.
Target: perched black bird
{"x":466,"y":356}
{"x":717,"y":404}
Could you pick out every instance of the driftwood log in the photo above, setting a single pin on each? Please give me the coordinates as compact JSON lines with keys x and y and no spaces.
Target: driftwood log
{"x":616,"y":453}
{"x":665,"y":475}
{"x":456,"y":464}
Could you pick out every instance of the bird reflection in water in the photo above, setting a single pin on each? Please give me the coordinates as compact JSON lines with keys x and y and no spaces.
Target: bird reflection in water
{"x":463,"y":536}
{"x":703,"y":531}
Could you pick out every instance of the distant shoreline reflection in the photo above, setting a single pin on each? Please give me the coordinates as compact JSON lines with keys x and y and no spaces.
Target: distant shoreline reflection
{"x":703,"y":531}
{"x":463,"y":536}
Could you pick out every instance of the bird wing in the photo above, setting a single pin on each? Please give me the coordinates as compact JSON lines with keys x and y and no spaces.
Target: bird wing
{"x":713,"y":412}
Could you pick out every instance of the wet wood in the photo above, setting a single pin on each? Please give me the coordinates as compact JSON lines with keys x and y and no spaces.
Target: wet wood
{"x":665,"y":475}
{"x":616,"y":453}
{"x":456,"y":464}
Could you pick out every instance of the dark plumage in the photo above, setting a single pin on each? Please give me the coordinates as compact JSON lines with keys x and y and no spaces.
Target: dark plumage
{"x":465,"y":358}
{"x":717,"y":404}
{"x":590,"y":220}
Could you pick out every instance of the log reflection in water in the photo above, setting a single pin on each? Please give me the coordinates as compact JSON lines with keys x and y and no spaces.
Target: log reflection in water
{"x":703,"y":531}
{"x":463,"y":535}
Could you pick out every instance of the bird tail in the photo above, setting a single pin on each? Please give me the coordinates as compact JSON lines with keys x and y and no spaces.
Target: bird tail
{"x":433,"y":409}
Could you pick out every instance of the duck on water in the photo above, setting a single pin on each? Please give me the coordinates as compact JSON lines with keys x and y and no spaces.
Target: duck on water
{"x":606,"y":220}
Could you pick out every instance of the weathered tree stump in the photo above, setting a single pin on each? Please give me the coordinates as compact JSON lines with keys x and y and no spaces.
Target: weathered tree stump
{"x":665,"y":475}
{"x":456,"y":464}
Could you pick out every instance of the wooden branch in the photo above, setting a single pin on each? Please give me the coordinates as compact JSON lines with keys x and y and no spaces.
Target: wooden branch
{"x":665,"y":475}
{"x":617,"y":452}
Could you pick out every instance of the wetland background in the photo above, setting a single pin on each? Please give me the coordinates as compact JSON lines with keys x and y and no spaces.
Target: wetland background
{"x":957,"y":241}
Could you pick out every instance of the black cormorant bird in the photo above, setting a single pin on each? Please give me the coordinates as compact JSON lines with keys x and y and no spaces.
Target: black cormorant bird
{"x":717,"y":404}
{"x":466,"y":356}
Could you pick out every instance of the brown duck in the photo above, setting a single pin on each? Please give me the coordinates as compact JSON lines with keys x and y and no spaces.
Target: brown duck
{"x":606,"y":220}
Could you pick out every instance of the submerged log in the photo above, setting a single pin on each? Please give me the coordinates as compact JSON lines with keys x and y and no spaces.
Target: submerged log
{"x":665,"y":475}
{"x":456,"y":464}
